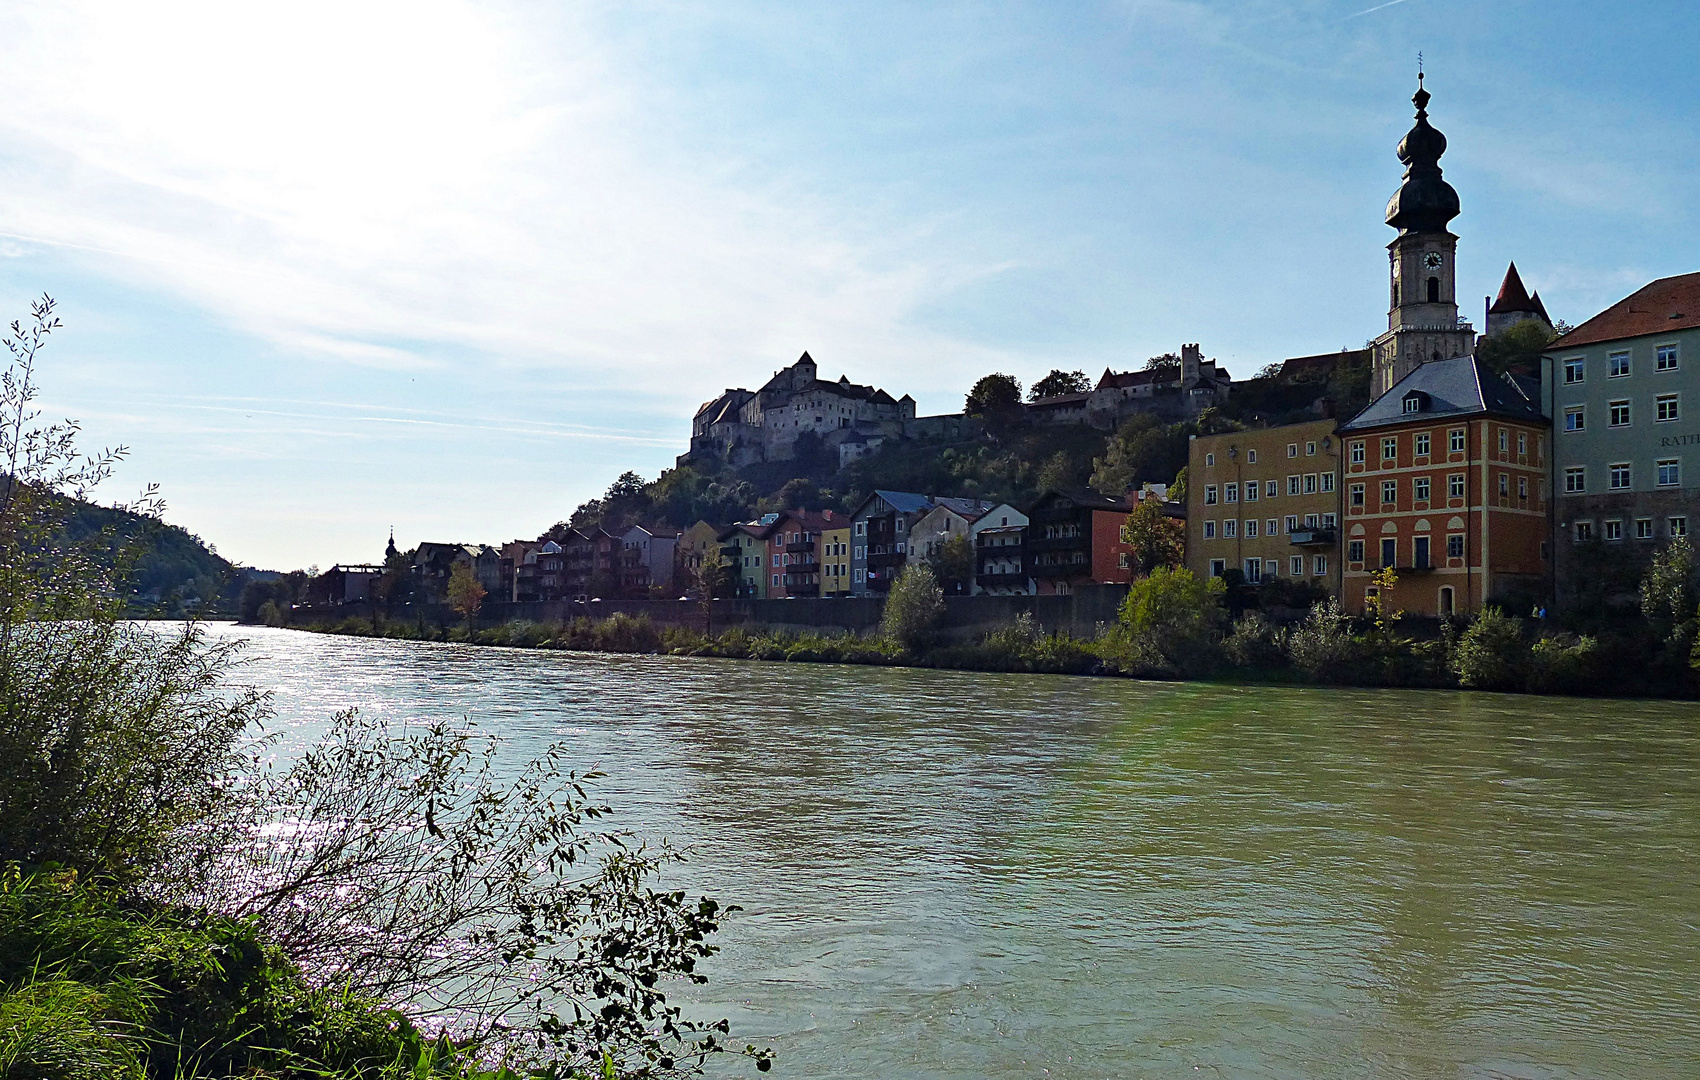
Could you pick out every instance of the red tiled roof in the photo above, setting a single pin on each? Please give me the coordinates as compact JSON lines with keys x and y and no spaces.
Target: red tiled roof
{"x":1667,"y":304}
{"x":1512,"y":295}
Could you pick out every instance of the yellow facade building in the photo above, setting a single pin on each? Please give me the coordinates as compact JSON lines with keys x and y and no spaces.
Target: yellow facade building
{"x":835,"y":561}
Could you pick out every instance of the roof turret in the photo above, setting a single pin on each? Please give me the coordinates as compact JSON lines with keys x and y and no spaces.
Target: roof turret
{"x":1424,"y":202}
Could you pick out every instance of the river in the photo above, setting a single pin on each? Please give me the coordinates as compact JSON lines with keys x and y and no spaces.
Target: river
{"x":962,"y":875}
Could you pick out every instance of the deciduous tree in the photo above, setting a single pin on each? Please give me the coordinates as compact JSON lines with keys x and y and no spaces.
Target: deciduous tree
{"x":465,"y":594}
{"x":1156,"y":539}
{"x":1058,"y":383}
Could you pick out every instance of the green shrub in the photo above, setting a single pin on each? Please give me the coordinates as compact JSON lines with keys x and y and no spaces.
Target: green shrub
{"x":913,"y":607}
{"x":1565,"y":664}
{"x":1171,"y":621}
{"x":1322,"y":646}
{"x":1491,"y":654}
{"x":1255,"y":642}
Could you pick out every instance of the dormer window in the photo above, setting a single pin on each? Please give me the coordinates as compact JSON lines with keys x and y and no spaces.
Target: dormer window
{"x":1415,"y":401}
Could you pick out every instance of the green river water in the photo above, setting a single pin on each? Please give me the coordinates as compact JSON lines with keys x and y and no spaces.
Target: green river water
{"x":963,"y":875}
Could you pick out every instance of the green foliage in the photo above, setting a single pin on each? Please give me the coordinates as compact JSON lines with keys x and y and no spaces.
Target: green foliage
{"x":1322,"y":646}
{"x":1255,"y":643}
{"x":1172,"y":621}
{"x":1565,"y":664}
{"x":1491,"y":654}
{"x":1058,"y":383}
{"x":912,"y":607}
{"x":953,"y":564}
{"x":465,"y":594}
{"x":1142,"y":449}
{"x":1518,"y":346}
{"x":1156,"y":539}
{"x":995,"y":396}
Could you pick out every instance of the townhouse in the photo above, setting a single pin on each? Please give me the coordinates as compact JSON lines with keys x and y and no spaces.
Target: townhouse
{"x":1446,"y":483}
{"x":1074,"y":539}
{"x":835,"y":558}
{"x":1265,"y":502}
{"x":794,"y":552}
{"x":1622,"y":390}
{"x":744,"y":551}
{"x":879,"y":539}
{"x":999,"y":537}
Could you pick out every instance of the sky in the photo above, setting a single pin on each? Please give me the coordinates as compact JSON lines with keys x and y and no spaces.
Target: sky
{"x":332,"y":268}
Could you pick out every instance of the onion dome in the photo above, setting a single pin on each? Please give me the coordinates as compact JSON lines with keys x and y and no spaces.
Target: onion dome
{"x":1424,"y":202}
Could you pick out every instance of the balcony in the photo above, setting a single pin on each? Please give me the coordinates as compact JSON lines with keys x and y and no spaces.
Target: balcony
{"x":1059,"y":543}
{"x":886,"y":558}
{"x":808,"y":545}
{"x":1312,"y":538}
{"x":731,"y":551}
{"x":990,"y":581}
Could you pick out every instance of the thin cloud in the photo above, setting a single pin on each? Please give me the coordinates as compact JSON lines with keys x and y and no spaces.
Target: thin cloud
{"x":1373,"y":10}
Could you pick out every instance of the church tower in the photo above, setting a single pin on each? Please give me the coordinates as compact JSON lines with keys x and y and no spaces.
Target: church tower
{"x":1422,"y":315}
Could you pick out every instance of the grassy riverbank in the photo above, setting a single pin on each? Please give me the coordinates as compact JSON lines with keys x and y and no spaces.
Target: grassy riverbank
{"x":1492,"y":652}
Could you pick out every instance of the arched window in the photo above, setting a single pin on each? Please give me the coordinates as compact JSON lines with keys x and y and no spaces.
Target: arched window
{"x":1395,"y":294}
{"x":1446,"y":601}
{"x":1434,"y":290}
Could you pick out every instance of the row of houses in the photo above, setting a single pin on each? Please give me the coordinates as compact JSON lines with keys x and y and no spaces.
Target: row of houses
{"x":1473,"y":486}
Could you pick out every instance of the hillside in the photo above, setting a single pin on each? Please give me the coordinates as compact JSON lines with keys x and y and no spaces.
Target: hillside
{"x":176,"y":572}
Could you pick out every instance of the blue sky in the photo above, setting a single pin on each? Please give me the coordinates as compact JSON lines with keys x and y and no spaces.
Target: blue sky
{"x":451,"y":267}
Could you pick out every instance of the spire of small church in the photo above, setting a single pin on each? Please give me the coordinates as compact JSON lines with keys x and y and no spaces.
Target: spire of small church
{"x":1425,"y":202}
{"x":390,"y":552}
{"x":1512,"y":295}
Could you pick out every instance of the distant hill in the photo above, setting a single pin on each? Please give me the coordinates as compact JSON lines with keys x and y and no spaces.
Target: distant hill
{"x":177,"y":572}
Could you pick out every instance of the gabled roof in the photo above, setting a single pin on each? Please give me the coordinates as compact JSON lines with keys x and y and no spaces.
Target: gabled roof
{"x":1059,"y":401}
{"x":1461,"y":386}
{"x":1085,"y":498}
{"x":965,"y":508}
{"x":1116,"y":380}
{"x":1664,"y":306}
{"x":904,"y":502}
{"x":1512,"y":296}
{"x":813,"y":520}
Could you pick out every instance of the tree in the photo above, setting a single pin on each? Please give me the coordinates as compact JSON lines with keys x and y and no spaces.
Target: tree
{"x":1168,"y":364}
{"x":712,"y":576}
{"x":996,"y":397}
{"x":953,"y":564}
{"x":1517,"y":346}
{"x":465,"y":594}
{"x":1143,"y":448}
{"x":1058,"y":383}
{"x":1156,"y":539}
{"x":1380,"y":602}
{"x":912,"y":607}
{"x":1492,"y":653}
{"x":1171,"y":620}
{"x":1057,"y":473}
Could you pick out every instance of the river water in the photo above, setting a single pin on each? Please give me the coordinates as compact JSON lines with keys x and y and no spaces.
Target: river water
{"x":963,"y":875}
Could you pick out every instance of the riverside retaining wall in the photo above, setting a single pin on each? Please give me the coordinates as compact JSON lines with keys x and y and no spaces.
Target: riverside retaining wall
{"x":1079,"y":614}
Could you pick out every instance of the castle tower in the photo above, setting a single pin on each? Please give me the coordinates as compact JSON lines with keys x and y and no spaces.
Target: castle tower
{"x":1514,"y":305}
{"x":1422,"y":315}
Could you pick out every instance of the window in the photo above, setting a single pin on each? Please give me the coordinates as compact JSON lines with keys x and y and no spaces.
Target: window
{"x":1218,"y":567}
{"x":1575,"y":479}
{"x":1504,"y":485}
{"x":1389,"y":551}
{"x":1250,"y":528}
{"x":1357,"y":453}
{"x":1413,"y":403}
{"x":1271,"y":488}
{"x":1455,"y":546}
{"x":1522,"y":444}
{"x":1575,"y":370}
{"x":1455,"y":486}
{"x":1390,"y":448}
{"x":1665,"y":358}
{"x":1584,"y":531}
{"x":859,"y":577}
{"x":1504,"y":444}
{"x":1665,"y":408}
{"x":861,"y":528}
{"x":1421,"y":491}
{"x":1422,"y":445}
{"x":1619,"y":365}
{"x":1619,"y":472}
{"x":1209,"y":530}
{"x":1678,"y":526}
{"x":1209,"y":494}
{"x":1455,"y":440}
{"x":1419,"y":553}
{"x":1292,"y":523}
{"x":776,"y":560}
{"x":1355,"y":551}
{"x":861,"y":552}
{"x":900,"y":524}
{"x":1272,"y":527}
{"x":1389,"y":491}
{"x":1619,"y":414}
{"x":1329,"y":521}
{"x":1251,"y":491}
{"x":1614,"y":530}
{"x":1230,"y":528}
{"x":1296,"y":565}
{"x":1292,"y":449}
{"x":1643,"y":528}
{"x":1574,"y":420}
{"x":1319,"y":565}
{"x":1522,"y":487}
{"x":1310,"y":449}
{"x":1254,"y":571}
{"x":1327,"y":481}
{"x":1251,"y":457}
{"x":1292,"y":485}
{"x":1670,"y":472}
{"x":1357,"y":494}
{"x":1311,"y":521}
{"x":1434,"y":290}
{"x":1230,"y":493}
{"x":1310,"y":483}
{"x":1209,"y":461}
{"x":776,"y":579}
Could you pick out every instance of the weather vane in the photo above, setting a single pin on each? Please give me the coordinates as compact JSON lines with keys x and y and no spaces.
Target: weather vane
{"x":1419,"y":67}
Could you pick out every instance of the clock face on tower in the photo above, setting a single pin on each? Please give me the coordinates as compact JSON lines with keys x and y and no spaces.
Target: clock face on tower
{"x":1432,"y":260}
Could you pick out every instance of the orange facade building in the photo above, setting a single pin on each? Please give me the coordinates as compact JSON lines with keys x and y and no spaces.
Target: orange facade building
{"x":1446,"y":483}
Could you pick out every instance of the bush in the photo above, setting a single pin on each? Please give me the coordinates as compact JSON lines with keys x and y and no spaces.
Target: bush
{"x":1255,"y":642}
{"x":1565,"y":664}
{"x":1171,"y":620}
{"x":1490,"y":655}
{"x":913,"y":607}
{"x":1322,"y":646}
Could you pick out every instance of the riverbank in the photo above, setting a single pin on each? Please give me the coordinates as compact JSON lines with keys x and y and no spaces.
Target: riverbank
{"x":1327,"y":649}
